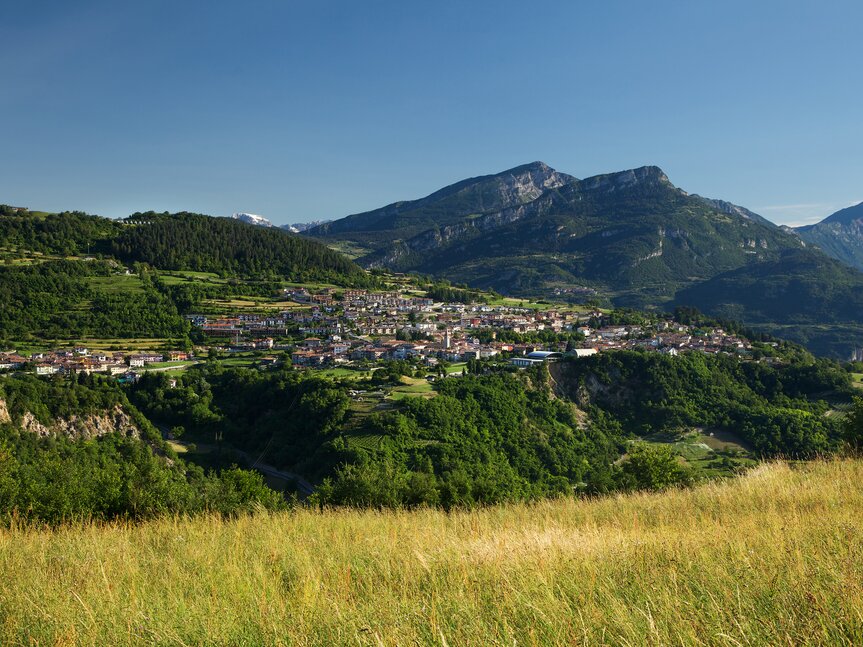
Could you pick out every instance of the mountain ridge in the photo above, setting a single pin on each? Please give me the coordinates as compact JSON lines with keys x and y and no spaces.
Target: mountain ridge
{"x":839,"y":235}
{"x":594,"y":211}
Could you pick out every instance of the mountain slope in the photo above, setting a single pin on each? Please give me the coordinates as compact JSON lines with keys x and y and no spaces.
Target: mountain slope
{"x":632,"y":234}
{"x":802,"y":296}
{"x":187,"y":241}
{"x":839,"y":235}
{"x":450,"y":205}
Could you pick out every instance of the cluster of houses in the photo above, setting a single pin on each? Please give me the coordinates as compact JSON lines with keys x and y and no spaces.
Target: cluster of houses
{"x":82,"y":360}
{"x":356,"y":325}
{"x":457,"y":345}
{"x":384,"y":314}
{"x":664,"y":337}
{"x":364,"y":326}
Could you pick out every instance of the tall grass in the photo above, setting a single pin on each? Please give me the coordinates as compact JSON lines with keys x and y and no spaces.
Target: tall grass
{"x":775,"y":557}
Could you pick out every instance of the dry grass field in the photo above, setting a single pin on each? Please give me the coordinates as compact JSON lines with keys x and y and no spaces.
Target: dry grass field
{"x":774,"y":557}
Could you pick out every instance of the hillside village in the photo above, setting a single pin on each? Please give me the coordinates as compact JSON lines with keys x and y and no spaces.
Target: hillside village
{"x":331,"y":328}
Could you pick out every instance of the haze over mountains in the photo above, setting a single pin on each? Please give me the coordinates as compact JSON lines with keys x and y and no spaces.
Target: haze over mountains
{"x":630,"y":236}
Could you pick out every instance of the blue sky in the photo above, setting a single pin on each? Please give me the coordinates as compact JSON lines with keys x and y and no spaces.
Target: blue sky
{"x":309,"y":110}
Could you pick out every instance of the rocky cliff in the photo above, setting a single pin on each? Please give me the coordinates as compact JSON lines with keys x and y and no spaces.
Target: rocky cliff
{"x":77,"y":427}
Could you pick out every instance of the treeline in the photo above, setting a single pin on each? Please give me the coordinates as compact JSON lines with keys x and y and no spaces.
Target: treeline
{"x":545,"y":336}
{"x":187,"y":241}
{"x":57,"y":300}
{"x":778,"y":410}
{"x":58,"y":479}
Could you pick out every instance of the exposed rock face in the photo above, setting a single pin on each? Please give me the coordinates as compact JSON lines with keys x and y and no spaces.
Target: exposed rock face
{"x":82,"y":427}
{"x":624,"y":179}
{"x":468,"y":198}
{"x":5,"y":419}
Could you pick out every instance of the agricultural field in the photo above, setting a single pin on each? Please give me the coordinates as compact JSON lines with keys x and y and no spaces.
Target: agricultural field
{"x":412,"y":387}
{"x":349,"y":249}
{"x":772,"y":557}
{"x":709,"y":453}
{"x":179,"y":277}
{"x":12,"y":256}
{"x":340,"y":372}
{"x":128,"y":283}
{"x":102,"y":344}
{"x":250,"y":304}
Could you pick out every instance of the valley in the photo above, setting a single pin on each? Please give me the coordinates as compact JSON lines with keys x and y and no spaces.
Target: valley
{"x":628,"y":239}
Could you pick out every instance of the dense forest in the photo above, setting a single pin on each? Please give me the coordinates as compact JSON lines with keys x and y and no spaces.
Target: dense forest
{"x":187,"y":241}
{"x":779,"y":410}
{"x":482,"y":439}
{"x":65,"y":234}
{"x":495,"y":435}
{"x":69,"y":299}
{"x":181,"y":241}
{"x":54,"y":479}
{"x":488,"y":436}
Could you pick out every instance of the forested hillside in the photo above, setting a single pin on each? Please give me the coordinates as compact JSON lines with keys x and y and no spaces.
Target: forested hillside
{"x":75,"y":299}
{"x":187,"y":241}
{"x":808,"y":298}
{"x":66,"y":234}
{"x":777,"y":410}
{"x":58,"y":478}
{"x":481,"y":440}
{"x":73,"y":275}
{"x":499,"y":436}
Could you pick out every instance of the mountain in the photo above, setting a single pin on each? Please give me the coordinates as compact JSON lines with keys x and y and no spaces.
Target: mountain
{"x":452,"y":205}
{"x":839,"y":235}
{"x":252,"y":219}
{"x":631,"y":236}
{"x":802,"y":296}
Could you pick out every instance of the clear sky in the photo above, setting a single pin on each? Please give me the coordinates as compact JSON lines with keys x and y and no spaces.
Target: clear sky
{"x":310,"y":110}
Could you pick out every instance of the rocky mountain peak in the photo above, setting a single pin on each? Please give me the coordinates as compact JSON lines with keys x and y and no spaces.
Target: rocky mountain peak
{"x":528,"y":182}
{"x":643,"y":175}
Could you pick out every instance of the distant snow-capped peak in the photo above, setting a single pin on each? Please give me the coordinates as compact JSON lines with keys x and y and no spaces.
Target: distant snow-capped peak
{"x":253,"y":219}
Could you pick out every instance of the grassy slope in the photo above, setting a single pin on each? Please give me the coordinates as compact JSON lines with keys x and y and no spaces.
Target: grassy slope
{"x":773,"y":557}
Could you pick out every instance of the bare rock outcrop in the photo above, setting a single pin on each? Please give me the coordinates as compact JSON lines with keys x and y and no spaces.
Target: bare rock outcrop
{"x":83,"y":427}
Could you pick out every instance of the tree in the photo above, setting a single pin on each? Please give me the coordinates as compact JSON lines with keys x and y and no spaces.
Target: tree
{"x":652,"y":467}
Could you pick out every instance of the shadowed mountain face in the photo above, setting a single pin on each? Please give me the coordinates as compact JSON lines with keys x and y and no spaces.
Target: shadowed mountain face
{"x":839,"y":235}
{"x":631,"y":236}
